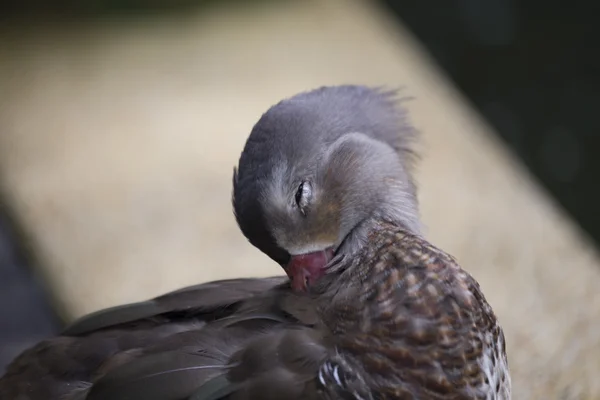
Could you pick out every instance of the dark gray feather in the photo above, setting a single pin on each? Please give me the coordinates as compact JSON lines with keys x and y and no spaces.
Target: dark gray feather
{"x":195,"y":299}
{"x":215,"y":389}
{"x":169,"y":375}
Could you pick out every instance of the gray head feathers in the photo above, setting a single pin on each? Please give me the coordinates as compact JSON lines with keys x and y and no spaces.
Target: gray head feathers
{"x":317,"y":165}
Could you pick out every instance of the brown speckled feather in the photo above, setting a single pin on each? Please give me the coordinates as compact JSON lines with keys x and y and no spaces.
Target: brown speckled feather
{"x":410,"y":323}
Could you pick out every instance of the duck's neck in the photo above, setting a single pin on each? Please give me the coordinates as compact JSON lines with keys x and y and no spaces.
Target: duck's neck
{"x":361,"y":247}
{"x":367,"y":231}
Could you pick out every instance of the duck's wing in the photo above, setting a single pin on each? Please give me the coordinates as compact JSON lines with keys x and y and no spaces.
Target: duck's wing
{"x":269,"y":347}
{"x":238,"y":339}
{"x":203,"y":298}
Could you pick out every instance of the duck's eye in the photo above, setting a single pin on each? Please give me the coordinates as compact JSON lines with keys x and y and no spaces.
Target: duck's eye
{"x":303,"y":196}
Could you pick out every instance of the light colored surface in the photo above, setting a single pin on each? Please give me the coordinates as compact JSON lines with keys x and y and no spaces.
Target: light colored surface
{"x":118,"y":142}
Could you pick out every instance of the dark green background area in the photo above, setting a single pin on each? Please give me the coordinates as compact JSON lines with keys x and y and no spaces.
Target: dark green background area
{"x":532,"y":69}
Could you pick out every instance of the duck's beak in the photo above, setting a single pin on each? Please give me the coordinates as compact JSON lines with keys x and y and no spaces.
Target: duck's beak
{"x":305,"y":269}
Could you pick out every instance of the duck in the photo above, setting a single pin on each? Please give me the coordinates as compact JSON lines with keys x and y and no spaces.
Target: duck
{"x":368,"y":308}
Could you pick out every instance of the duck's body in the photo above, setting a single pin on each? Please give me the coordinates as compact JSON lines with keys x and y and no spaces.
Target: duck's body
{"x":389,"y":317}
{"x":402,"y":321}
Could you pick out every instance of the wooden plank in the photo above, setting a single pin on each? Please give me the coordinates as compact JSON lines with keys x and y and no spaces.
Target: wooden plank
{"x":118,"y":142}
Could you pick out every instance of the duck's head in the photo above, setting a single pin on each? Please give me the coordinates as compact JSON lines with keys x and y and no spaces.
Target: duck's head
{"x":316,"y":168}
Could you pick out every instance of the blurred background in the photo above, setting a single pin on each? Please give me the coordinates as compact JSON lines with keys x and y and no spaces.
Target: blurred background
{"x":121,"y":120}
